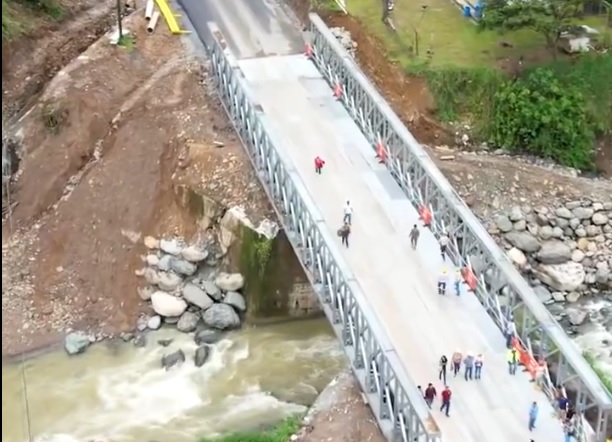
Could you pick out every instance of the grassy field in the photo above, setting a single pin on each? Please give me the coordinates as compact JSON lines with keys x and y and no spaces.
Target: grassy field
{"x":452,"y":39}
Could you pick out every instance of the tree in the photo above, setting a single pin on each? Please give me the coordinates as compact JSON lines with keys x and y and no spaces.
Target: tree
{"x":549,"y":18}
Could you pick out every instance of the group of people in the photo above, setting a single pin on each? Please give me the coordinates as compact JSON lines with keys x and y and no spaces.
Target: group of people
{"x":471,"y":363}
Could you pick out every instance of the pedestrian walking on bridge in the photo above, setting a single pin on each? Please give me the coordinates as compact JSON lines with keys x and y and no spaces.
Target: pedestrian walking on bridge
{"x":468,"y":364}
{"x":319,"y":163}
{"x":443,"y":365}
{"x":414,"y":236}
{"x":348,"y":213}
{"x":446,"y":400}
{"x":443,"y":245}
{"x":533,"y":415}
{"x":456,"y":360}
{"x":430,"y":394}
{"x":478,"y":363}
{"x":344,"y":234}
{"x":513,"y":360}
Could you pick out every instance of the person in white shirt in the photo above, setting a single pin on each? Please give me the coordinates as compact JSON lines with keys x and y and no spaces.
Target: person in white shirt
{"x":510,"y":332}
{"x":348,"y":213}
{"x":443,"y":245}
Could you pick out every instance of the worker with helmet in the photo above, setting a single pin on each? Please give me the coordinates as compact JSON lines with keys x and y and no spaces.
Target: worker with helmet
{"x":443,"y":281}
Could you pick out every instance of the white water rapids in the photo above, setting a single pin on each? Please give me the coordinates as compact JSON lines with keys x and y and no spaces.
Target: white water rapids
{"x":120,"y":393}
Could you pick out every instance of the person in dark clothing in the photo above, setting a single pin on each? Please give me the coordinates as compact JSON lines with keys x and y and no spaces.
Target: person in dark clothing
{"x":430,"y":394}
{"x":414,"y":236}
{"x":446,"y":398}
{"x":344,"y":233}
{"x":443,"y":365}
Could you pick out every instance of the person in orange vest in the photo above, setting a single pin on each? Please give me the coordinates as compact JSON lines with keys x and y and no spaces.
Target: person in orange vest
{"x":319,"y":163}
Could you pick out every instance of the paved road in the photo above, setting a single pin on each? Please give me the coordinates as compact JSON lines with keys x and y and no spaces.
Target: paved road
{"x":252,"y":28}
{"x":400,"y":284}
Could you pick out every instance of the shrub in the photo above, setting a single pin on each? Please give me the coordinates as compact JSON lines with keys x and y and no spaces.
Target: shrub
{"x":540,"y":116}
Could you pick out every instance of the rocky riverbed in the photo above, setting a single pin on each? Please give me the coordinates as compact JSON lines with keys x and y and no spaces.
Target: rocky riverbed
{"x":565,"y":253}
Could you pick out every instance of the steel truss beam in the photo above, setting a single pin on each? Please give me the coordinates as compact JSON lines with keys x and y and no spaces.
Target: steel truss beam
{"x":400,"y":410}
{"x":501,"y":290}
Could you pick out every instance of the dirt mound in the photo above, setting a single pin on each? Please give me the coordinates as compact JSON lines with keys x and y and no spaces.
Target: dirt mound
{"x":102,"y":151}
{"x":30,"y":61}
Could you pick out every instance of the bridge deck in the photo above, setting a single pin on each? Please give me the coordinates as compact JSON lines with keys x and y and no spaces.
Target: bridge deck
{"x":400,"y":284}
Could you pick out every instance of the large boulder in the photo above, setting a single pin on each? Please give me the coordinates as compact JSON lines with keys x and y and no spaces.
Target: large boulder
{"x":196,"y":296}
{"x":194,"y":254}
{"x":562,"y":277}
{"x":188,"y":322}
{"x":154,"y":322}
{"x":165,"y":304}
{"x":207,"y":336}
{"x":517,"y":257}
{"x":236,"y":300}
{"x":230,"y":282}
{"x":170,"y":246}
{"x":183,"y":267}
{"x":170,"y":360}
{"x":221,"y":317}
{"x":76,"y":343}
{"x":554,"y":252}
{"x":524,"y":241}
{"x":201,"y":355}
{"x":168,"y":281}
{"x":212,"y":290}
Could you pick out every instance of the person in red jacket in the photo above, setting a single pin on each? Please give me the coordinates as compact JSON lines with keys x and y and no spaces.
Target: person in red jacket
{"x":319,"y":163}
{"x":446,"y":398}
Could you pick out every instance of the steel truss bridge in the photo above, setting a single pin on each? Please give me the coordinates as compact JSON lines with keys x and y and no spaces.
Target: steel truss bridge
{"x":502,"y":292}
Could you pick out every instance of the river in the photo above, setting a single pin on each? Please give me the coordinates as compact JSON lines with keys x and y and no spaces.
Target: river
{"x":120,"y":393}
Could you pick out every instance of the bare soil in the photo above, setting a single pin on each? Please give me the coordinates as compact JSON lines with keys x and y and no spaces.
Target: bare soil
{"x":131,"y":123}
{"x":341,"y":415}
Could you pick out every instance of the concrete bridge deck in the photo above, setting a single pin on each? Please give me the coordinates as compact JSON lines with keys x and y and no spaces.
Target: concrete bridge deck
{"x":400,"y":284}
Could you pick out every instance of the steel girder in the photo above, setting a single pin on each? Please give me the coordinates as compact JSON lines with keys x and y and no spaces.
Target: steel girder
{"x":501,"y":290}
{"x":400,"y":410}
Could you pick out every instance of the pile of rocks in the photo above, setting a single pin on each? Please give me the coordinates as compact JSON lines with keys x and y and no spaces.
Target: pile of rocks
{"x":565,"y":252}
{"x":185,"y":287}
{"x":344,"y":37}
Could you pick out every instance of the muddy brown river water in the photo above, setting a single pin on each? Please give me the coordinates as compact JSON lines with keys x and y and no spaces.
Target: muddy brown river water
{"x":120,"y":393}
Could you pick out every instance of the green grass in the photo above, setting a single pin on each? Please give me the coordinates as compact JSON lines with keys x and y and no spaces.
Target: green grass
{"x":453,"y":40}
{"x":127,"y":42}
{"x":281,"y":433}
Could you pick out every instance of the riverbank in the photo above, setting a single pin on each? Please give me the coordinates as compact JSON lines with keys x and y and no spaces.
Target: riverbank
{"x":240,"y":387}
{"x":340,"y":414}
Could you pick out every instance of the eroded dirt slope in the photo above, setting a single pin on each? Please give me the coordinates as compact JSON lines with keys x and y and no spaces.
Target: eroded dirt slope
{"x":134,"y":121}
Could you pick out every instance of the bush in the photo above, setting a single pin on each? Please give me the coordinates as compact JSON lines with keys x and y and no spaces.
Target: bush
{"x":540,"y":116}
{"x":281,"y":433}
{"x":463,"y":92}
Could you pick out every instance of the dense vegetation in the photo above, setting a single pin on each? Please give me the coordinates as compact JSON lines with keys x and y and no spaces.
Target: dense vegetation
{"x":281,"y":433}
{"x":556,"y":110}
{"x":15,"y":12}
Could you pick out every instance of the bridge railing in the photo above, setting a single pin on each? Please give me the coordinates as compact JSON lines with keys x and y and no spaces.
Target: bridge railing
{"x":501,"y":289}
{"x":395,"y":400}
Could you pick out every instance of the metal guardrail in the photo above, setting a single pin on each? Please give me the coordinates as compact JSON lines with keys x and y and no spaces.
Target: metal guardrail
{"x":501,"y":290}
{"x":398,"y":406}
